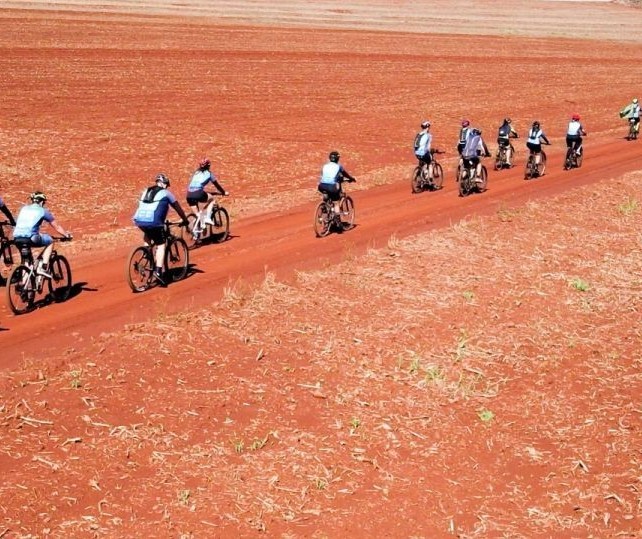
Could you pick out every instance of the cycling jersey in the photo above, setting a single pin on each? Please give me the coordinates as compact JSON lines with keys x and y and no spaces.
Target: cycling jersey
{"x":473,"y":148}
{"x":29,"y":220}
{"x":199,"y":180}
{"x":574,"y":129}
{"x":331,"y":172}
{"x":424,"y":141}
{"x":635,"y":113}
{"x":504,"y":131}
{"x":534,"y":136}
{"x":463,"y":134}
{"x":153,"y":213}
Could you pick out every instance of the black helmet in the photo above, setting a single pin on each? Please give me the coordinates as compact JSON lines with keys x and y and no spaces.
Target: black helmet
{"x":425,"y":124}
{"x":476,"y":131}
{"x":535,"y":123}
{"x":507,"y":120}
{"x":162,"y":179}
{"x":334,"y":156}
{"x":38,"y":197}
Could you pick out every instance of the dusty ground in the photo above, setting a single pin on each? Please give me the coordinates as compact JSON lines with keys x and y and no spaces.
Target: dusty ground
{"x":474,"y":372}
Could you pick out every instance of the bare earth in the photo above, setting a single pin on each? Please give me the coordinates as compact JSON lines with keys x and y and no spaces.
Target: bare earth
{"x":464,"y":367}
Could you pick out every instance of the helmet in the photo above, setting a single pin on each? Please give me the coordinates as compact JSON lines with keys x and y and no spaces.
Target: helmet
{"x":204,"y":163}
{"x":38,"y":197}
{"x":334,"y":156}
{"x":575,"y":117}
{"x":535,"y":123}
{"x":425,"y":124}
{"x":465,"y":123}
{"x":507,"y":120}
{"x":476,"y":131}
{"x":162,"y":179}
{"x":635,"y":100}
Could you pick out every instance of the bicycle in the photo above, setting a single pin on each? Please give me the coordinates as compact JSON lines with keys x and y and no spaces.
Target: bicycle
{"x":574,"y":158}
{"x":633,"y":129}
{"x":198,"y":231}
{"x":325,"y":217}
{"x":501,"y":157}
{"x":534,"y":170}
{"x":421,"y":180}
{"x":9,"y":253}
{"x":139,"y":269}
{"x":467,"y":180}
{"x":26,"y":283}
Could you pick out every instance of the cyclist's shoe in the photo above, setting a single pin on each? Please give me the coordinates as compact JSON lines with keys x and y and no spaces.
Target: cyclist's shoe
{"x":43,"y":271}
{"x":159,"y":277}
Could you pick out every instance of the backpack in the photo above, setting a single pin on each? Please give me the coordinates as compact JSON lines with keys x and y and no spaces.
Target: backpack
{"x":504,"y":130}
{"x":150,"y":193}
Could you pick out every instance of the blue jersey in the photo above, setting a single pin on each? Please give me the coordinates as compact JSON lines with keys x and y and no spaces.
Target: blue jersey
{"x":199,"y":180}
{"x":331,"y":173}
{"x":29,"y":220}
{"x":152,"y":210}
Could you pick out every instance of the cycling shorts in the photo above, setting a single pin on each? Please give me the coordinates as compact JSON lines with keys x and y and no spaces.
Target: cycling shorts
{"x":37,"y":240}
{"x":195,"y":197}
{"x":534,"y":148}
{"x":154,"y":235}
{"x":333,"y":190}
{"x":503,"y":142}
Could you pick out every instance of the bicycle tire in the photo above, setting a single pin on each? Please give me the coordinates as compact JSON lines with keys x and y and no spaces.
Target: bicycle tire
{"x":415,"y":180}
{"x":60,"y":283}
{"x":437,"y":176}
{"x":346,"y":207}
{"x":579,"y":159}
{"x":220,"y":230}
{"x":500,"y":159}
{"x":187,"y":232}
{"x":9,"y":257}
{"x":176,"y":259}
{"x":139,"y":269}
{"x":21,"y":289}
{"x":322,"y":220}
{"x":541,"y":168}
{"x":462,"y":181}
{"x":483,"y":185}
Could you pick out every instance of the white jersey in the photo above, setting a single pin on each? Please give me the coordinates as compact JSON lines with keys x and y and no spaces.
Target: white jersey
{"x":534,"y":136}
{"x":423,"y":144}
{"x":635,"y":113}
{"x":574,"y":128}
{"x":474,"y":146}
{"x":331,"y":172}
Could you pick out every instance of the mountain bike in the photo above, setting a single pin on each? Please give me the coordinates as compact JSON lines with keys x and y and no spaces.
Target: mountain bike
{"x":139,"y":269}
{"x":326,"y":218}
{"x":467,"y":180}
{"x":9,"y":253}
{"x":501,"y":157}
{"x":421,"y":180}
{"x":534,"y":170}
{"x":198,"y":230}
{"x":574,"y":158}
{"x":25,"y":283}
{"x":633,"y":129}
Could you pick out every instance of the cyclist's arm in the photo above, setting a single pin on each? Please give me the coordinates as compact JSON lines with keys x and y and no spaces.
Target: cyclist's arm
{"x":543,"y":137}
{"x":219,"y":187}
{"x":6,"y":211}
{"x":486,"y":152}
{"x":343,"y":173}
{"x":177,"y":207}
{"x":513,"y":133}
{"x":58,"y":228}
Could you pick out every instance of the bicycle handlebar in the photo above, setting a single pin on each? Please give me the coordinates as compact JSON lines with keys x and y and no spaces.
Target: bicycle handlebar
{"x":62,"y":238}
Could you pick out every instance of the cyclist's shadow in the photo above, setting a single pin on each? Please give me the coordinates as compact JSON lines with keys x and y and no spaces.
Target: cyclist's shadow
{"x":191,"y":270}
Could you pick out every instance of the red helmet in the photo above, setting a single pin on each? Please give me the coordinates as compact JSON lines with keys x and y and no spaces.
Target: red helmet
{"x":575,"y":117}
{"x":204,"y":163}
{"x":465,"y":123}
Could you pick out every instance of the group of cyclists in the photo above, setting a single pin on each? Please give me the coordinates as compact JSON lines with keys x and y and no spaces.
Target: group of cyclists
{"x":155,"y":200}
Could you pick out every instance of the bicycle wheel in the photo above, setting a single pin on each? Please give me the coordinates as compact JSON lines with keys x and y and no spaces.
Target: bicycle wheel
{"x":579,"y":159}
{"x":220,"y":230}
{"x":500,"y":158}
{"x":60,"y":282}
{"x":322,"y":220}
{"x":415,"y":180}
{"x":21,"y":289}
{"x":541,"y":168}
{"x":139,"y":269}
{"x":437,"y":176}
{"x":187,"y":232}
{"x":9,"y":257}
{"x":482,"y":185}
{"x":462,"y":181}
{"x":176,"y":259}
{"x":346,"y":206}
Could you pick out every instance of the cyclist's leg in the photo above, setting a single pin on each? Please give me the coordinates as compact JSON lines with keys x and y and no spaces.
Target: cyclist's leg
{"x":427,"y":160}
{"x":509,"y":154}
{"x":578,"y":146}
{"x":476,"y":161}
{"x":43,"y":240}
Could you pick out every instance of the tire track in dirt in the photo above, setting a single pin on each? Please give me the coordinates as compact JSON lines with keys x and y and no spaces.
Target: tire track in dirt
{"x":283,"y":244}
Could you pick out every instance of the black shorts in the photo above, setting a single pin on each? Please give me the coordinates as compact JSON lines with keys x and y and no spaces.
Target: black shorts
{"x":534,"y":148}
{"x":460,"y":147}
{"x":333,"y":190}
{"x":573,"y":141}
{"x":503,"y":142}
{"x":195,"y":197}
{"x":427,"y":158}
{"x":154,"y":235}
{"x":471,"y":162}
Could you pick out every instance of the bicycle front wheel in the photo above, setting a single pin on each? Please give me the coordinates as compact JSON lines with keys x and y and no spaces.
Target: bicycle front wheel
{"x":9,"y":257}
{"x":139,"y":269}
{"x":21,"y":289}
{"x":322,"y":220}
{"x":220,"y":230}
{"x":415,"y":180}
{"x":176,"y":259}
{"x":482,"y":185}
{"x":60,"y":282}
{"x":579,"y":159}
{"x":346,"y":206}
{"x":437,"y":176}
{"x":187,"y":232}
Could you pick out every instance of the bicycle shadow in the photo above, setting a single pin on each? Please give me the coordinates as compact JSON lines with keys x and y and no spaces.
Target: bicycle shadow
{"x":172,"y":274}
{"x":212,"y":240}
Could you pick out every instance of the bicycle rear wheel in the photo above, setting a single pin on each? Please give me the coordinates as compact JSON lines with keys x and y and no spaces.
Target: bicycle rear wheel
{"x":187,"y":232}
{"x":463,"y":181}
{"x":322,"y":220}
{"x":482,"y":185}
{"x":176,"y":259}
{"x":415,"y":180}
{"x":220,"y":230}
{"x":21,"y":289}
{"x":9,"y":257}
{"x":346,"y":206}
{"x":139,"y":269}
{"x":60,"y":282}
{"x":437,"y":176}
{"x":579,"y":159}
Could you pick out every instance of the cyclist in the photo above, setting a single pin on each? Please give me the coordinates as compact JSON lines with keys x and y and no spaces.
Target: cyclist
{"x":504,"y":134}
{"x":332,"y":174}
{"x":463,"y":134}
{"x":8,"y":214}
{"x":150,"y":216}
{"x":26,"y":231}
{"x":196,"y":189}
{"x":472,"y":151}
{"x":534,"y":142}
{"x":574,"y":134}
{"x":634,"y":114}
{"x":423,"y":141}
